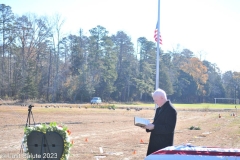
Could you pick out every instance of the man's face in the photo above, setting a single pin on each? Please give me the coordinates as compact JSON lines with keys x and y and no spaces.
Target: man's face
{"x":157,"y":100}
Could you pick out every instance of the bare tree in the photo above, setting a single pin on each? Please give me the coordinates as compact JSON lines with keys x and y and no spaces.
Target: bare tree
{"x":6,"y":20}
{"x":58,"y":23}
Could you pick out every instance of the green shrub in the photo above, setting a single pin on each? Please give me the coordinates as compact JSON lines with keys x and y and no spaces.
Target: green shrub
{"x":194,"y":128}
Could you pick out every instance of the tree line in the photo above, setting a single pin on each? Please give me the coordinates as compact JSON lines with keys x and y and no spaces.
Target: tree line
{"x":38,"y":61}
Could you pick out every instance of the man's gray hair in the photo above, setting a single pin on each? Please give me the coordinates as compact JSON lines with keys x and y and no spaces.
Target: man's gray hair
{"x":159,"y":93}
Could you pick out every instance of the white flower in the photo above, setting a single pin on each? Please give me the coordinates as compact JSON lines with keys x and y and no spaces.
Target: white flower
{"x":59,"y":128}
{"x":67,"y":139}
{"x":38,"y":125}
{"x":24,"y":148}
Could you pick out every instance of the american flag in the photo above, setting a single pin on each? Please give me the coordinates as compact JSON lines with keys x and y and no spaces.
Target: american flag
{"x":194,"y":152}
{"x":156,"y":35}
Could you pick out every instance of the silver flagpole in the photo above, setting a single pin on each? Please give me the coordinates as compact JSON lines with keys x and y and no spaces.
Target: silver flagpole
{"x":158,"y":40}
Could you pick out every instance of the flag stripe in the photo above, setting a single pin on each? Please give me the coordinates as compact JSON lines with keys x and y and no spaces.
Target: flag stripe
{"x":156,"y":35}
{"x":197,"y":152}
{"x":188,"y":152}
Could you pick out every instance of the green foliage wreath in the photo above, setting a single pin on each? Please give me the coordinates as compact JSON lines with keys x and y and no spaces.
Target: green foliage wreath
{"x":54,"y":127}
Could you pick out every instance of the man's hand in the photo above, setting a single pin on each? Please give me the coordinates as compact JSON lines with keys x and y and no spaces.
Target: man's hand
{"x":150,"y":126}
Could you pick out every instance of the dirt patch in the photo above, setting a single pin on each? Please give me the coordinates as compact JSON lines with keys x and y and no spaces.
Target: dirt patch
{"x":111,"y":135}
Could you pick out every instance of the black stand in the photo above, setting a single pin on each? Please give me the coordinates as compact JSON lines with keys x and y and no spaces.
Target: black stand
{"x":28,"y":121}
{"x":29,"y":114}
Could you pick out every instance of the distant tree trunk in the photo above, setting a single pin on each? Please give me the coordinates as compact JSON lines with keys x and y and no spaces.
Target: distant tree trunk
{"x":49,"y":73}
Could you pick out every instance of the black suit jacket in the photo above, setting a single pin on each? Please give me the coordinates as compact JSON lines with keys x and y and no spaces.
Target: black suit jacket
{"x":164,"y":125}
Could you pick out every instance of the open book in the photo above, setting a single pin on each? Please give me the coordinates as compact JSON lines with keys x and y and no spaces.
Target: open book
{"x":140,"y":121}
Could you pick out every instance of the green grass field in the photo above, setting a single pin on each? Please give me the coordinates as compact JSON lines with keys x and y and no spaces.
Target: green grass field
{"x":206,"y":106}
{"x":185,"y":106}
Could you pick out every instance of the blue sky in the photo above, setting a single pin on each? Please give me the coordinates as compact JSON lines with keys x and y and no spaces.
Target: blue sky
{"x":210,"y":28}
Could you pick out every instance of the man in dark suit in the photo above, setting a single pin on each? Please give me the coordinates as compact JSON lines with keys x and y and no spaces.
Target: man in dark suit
{"x":163,"y":126}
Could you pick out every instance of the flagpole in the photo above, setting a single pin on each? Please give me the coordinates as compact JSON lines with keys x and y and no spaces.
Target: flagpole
{"x":158,"y":40}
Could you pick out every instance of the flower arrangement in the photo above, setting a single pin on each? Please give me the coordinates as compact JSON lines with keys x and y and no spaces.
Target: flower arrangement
{"x":52,"y":127}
